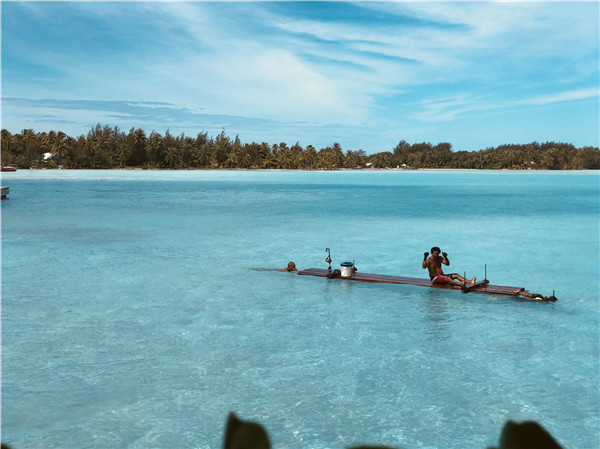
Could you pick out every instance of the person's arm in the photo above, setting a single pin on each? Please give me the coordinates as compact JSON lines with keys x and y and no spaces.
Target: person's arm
{"x":425,"y":260}
{"x":445,"y":260}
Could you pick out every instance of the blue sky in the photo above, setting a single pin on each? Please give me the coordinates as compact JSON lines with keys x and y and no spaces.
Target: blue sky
{"x":363,"y":74}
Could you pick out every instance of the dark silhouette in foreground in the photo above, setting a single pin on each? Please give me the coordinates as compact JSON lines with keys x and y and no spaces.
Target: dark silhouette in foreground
{"x":527,"y":435}
{"x":245,"y":435}
{"x":241,"y":434}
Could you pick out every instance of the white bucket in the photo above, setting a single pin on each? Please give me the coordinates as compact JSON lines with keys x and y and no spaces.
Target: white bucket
{"x":347,"y":269}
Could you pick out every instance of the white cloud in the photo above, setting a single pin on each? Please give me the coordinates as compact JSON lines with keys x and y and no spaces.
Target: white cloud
{"x":274,"y":81}
{"x":451,"y":108}
{"x":252,"y":75}
{"x":573,"y":95}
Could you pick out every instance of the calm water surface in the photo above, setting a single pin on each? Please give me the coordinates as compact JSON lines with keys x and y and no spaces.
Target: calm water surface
{"x":132,"y":316}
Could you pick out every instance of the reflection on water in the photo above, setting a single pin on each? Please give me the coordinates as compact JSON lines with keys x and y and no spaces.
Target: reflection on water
{"x":436,"y":318}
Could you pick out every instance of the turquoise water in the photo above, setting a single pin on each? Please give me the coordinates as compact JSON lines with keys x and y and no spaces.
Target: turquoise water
{"x":132,"y":317}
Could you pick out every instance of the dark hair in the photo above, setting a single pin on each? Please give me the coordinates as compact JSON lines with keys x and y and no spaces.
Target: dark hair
{"x":435,"y":248}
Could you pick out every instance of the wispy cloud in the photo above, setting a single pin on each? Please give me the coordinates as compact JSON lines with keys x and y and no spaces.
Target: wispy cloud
{"x":136,"y":112}
{"x":448,"y":109}
{"x":574,"y":95}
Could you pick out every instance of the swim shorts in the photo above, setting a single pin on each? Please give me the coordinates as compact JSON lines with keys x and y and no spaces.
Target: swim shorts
{"x":439,"y":280}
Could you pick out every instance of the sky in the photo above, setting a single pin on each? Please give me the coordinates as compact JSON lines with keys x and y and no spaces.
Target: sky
{"x":366,"y":75}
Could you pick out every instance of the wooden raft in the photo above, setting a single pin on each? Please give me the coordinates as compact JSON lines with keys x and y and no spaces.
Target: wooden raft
{"x":385,"y":279}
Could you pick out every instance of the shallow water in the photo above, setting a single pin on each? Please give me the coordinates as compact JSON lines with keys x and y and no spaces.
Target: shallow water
{"x":132,"y":317}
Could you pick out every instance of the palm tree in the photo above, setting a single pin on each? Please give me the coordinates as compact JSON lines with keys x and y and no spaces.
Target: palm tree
{"x":28,"y":138}
{"x":7,"y":144}
{"x":171,"y":156}
{"x":187,"y":152}
{"x":153,"y":145}
{"x":221,"y":150}
{"x":338,"y":155}
{"x":60,"y":146}
{"x":310,"y":156}
{"x":122,"y":153}
{"x":232,"y":159}
{"x":139,"y":145}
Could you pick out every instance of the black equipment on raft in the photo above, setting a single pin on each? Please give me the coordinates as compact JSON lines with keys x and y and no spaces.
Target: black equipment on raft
{"x":328,"y":260}
{"x":331,"y":273}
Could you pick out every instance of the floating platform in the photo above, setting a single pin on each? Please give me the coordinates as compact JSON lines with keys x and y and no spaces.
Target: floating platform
{"x":481,"y":287}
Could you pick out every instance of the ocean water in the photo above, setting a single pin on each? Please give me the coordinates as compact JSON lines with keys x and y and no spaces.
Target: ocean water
{"x":134,"y":316}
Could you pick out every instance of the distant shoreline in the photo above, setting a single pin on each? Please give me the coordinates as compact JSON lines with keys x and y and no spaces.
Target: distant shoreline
{"x":105,"y":147}
{"x":161,"y":169}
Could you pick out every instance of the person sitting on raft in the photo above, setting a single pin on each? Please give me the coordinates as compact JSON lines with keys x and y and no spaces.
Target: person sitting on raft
{"x":434,"y":265}
{"x":291,"y":267}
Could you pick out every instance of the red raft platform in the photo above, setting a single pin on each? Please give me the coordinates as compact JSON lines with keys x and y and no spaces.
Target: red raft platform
{"x":481,"y":287}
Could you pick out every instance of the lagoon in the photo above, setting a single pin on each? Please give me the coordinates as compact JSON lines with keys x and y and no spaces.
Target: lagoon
{"x":133,"y":315}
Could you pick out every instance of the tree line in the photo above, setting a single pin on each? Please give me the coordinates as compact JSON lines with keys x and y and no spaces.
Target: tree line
{"x":110,"y":147}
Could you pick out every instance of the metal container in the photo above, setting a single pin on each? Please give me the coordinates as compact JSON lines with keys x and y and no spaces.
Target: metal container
{"x":347,"y":269}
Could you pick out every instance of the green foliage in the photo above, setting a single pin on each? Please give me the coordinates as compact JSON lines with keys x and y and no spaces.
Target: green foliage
{"x":106,"y":147}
